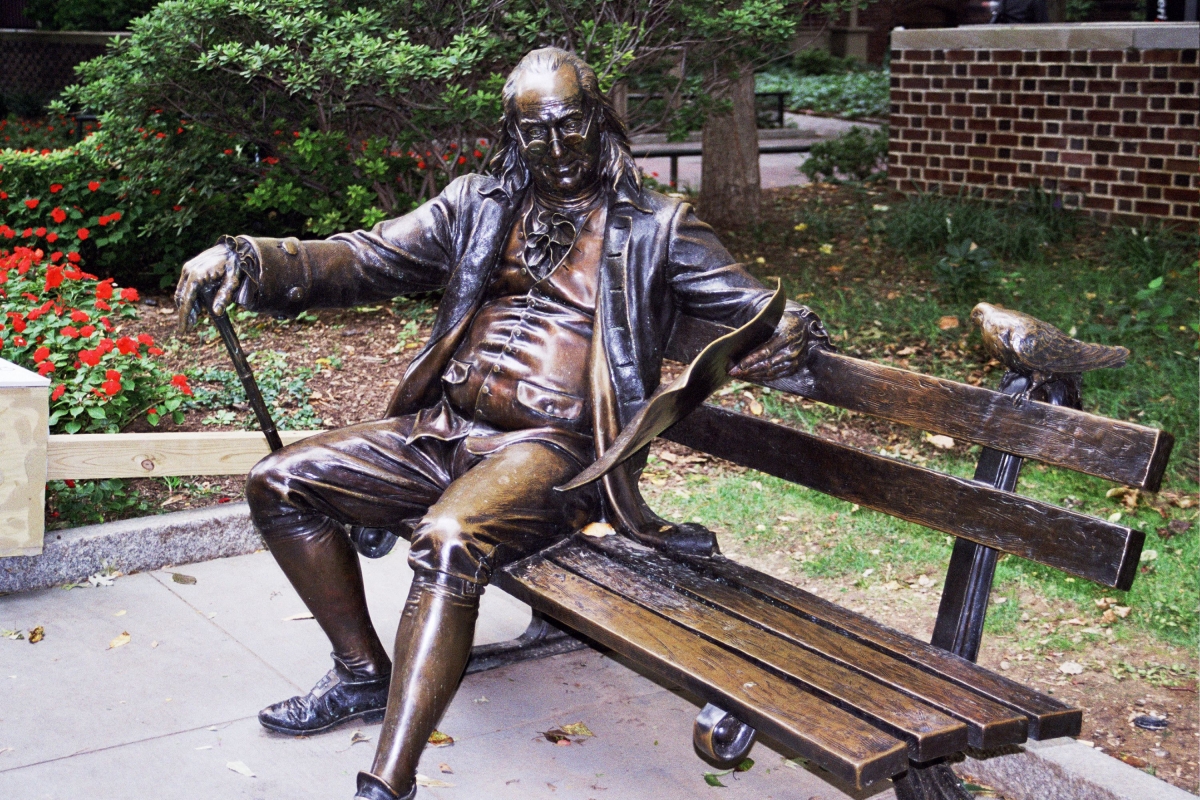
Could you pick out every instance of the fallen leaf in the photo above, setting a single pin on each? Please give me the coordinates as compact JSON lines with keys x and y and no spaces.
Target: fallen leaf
{"x":439,"y":739}
{"x":1070,"y":668}
{"x":300,"y":616}
{"x":445,"y":768}
{"x":187,"y":580}
{"x":1108,"y":616}
{"x":1132,"y":760}
{"x":744,"y":765}
{"x":577,"y":729}
{"x":240,"y":769}
{"x":15,"y":635}
{"x":713,"y":780}
{"x":598,"y":530}
{"x":120,"y":613}
{"x":947,"y":323}
{"x":756,"y":408}
{"x":1115,"y":516}
{"x":1148,"y":555}
{"x":359,"y":736}
{"x":1121,"y":611}
{"x":433,"y":783}
{"x":940,"y":441}
{"x":37,"y":634}
{"x":120,"y":641}
{"x":556,"y":736}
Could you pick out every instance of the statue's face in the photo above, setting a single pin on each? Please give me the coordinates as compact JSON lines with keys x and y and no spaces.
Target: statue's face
{"x":559,"y":140}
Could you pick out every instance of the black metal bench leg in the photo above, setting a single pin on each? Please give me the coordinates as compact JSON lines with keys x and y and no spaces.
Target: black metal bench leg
{"x":540,"y":639}
{"x":935,"y":781}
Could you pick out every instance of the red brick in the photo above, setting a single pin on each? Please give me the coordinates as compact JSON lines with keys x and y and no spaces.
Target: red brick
{"x":1157,"y":118}
{"x":1106,"y":56}
{"x":917,"y":55}
{"x":983,"y":70}
{"x":1159,"y":87}
{"x":900,"y":68}
{"x":1078,"y":129}
{"x":1127,"y":73}
{"x":1128,"y":190}
{"x":959,"y":137}
{"x":958,"y":56}
{"x":1029,"y":126}
{"x":1002,"y":167}
{"x":914,"y":161}
{"x":1154,"y":178}
{"x":1052,"y":142}
{"x":1185,"y":165}
{"x":1005,"y":84}
{"x":1130,"y":101}
{"x":1181,"y":195}
{"x":919,"y":109}
{"x":1054,"y":85}
{"x":1049,"y":170}
{"x":1130,"y":131}
{"x":1005,"y":139}
{"x":1100,"y":174}
{"x":1026,"y":100}
{"x":938,"y":123}
{"x":960,"y":83}
{"x":939,"y":97}
{"x":1103,"y":115}
{"x":1155,"y":209}
{"x":981,"y":124}
{"x":1052,"y":56}
{"x":1027,"y":155}
{"x":1160,"y":56}
{"x":1129,"y":162}
{"x":1079,"y":101}
{"x":1183,"y":103}
{"x":1030,"y":71}
{"x":1184,"y":134}
{"x":937,"y":174}
{"x":1084,"y":159}
{"x":914,"y":83}
{"x":939,"y":70}
{"x":1105,"y":203}
{"x":979,"y":178}
{"x":1103,"y":145}
{"x":981,"y":151}
{"x":981,"y":98}
{"x":1182,"y":73}
{"x":1005,"y":112}
{"x":937,"y":149}
{"x":1006,"y":56}
{"x":1104,"y":87}
{"x":1052,"y":113}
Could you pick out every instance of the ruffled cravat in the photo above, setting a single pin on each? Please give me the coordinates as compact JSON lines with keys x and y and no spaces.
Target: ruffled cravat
{"x":549,"y":236}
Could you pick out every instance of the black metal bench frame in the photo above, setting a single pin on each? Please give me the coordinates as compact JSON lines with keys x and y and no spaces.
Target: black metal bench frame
{"x":983,"y":515}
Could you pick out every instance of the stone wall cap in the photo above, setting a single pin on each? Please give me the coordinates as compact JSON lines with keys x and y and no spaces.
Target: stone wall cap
{"x":1066,"y":36}
{"x":15,"y":377}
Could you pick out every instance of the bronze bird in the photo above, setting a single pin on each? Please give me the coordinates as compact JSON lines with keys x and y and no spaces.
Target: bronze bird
{"x":1038,"y":350}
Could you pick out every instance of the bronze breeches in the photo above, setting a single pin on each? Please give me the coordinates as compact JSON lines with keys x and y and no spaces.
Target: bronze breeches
{"x":464,"y":514}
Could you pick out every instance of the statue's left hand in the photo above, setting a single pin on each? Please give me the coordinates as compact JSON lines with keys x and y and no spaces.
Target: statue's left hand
{"x":787,"y":351}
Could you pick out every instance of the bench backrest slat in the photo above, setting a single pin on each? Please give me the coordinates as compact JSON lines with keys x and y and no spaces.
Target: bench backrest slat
{"x":1135,"y":455}
{"x":1075,"y":543}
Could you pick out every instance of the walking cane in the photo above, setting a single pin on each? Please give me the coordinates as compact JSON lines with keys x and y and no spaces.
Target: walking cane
{"x":371,"y":542}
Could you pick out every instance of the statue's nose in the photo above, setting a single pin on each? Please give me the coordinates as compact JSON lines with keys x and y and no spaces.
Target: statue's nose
{"x":556,"y":145}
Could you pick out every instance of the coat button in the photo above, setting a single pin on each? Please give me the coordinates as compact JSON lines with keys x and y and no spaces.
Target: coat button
{"x":295,"y":294}
{"x":290,"y":246}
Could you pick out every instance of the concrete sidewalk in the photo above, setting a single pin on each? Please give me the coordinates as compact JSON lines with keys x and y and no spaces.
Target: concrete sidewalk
{"x":164,"y":715}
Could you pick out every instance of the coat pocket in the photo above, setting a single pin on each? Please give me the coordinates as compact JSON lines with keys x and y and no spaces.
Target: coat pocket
{"x":456,"y":372}
{"x":549,"y":402}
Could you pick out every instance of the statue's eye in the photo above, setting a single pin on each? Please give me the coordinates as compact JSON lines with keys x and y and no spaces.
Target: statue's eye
{"x":572,"y":125}
{"x":536,"y":131}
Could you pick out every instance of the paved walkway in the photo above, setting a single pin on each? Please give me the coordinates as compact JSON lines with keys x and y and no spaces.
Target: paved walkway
{"x":776,"y":169}
{"x":166,"y":714}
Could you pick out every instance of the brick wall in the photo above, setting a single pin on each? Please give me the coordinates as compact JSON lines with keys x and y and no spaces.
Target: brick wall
{"x":1104,"y":115}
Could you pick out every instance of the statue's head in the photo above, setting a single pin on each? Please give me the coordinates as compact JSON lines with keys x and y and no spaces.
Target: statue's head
{"x":559,"y":130}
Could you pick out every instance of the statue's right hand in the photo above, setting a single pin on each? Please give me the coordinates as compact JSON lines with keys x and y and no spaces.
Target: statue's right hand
{"x":215,"y":267}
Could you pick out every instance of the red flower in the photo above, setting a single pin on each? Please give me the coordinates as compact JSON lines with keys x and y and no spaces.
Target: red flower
{"x":18,"y":324}
{"x":271,"y":160}
{"x":103,"y":220}
{"x":155,"y":351}
{"x":420,"y":165}
{"x":93,"y":186}
{"x":83,"y":233}
{"x":177,"y":208}
{"x":58,"y":391}
{"x":87,"y":330}
{"x":159,"y":135}
{"x":111,"y":387}
{"x":3,"y":195}
{"x":41,"y":354}
{"x":114,"y":217}
{"x":55,"y":188}
{"x":79,"y":316}
{"x":70,"y":331}
{"x":477,"y":154}
{"x":74,"y":257}
{"x":152,"y":411}
{"x":228,"y":152}
{"x":181,"y":383}
{"x":129,"y":295}
{"x":127,"y":346}
{"x":156,"y":192}
{"x":27,"y":233}
{"x":45,"y":368}
{"x":32,"y":203}
{"x":39,"y":232}
{"x":74,"y":273}
{"x":57,"y":214}
{"x":112,"y":375}
{"x":104,"y":290}
{"x":90,"y":357}
{"x":108,"y":326}
{"x":102,"y":305}
{"x":19,"y":341}
{"x":51,"y":237}
{"x":105,"y":346}
{"x":146,"y":339}
{"x":54,"y":278}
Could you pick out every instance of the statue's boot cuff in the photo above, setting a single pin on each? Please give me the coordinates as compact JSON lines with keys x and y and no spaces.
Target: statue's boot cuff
{"x":372,"y":787}
{"x":337,"y":698}
{"x":687,"y":539}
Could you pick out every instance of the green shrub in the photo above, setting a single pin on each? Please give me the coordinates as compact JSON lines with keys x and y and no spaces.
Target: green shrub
{"x":44,"y":133}
{"x":858,"y":155}
{"x":815,"y":61}
{"x":965,"y":271}
{"x":850,"y":95}
{"x":1019,"y":229}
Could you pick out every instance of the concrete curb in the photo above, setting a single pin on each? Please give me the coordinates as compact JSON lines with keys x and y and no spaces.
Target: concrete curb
{"x":133,"y":545}
{"x":1064,"y":769}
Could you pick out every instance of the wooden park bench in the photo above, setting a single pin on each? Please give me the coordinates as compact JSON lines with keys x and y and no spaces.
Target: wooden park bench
{"x":860,"y":699}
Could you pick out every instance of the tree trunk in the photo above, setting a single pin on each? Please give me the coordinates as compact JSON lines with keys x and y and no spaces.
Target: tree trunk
{"x":730,"y":188}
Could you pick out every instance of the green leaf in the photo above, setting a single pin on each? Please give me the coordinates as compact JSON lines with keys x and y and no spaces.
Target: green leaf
{"x":744,"y":765}
{"x":95,"y":412}
{"x":713,"y":780}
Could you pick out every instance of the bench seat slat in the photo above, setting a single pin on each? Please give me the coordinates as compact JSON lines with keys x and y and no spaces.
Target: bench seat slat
{"x":848,"y":747}
{"x":990,"y":724}
{"x":930,"y":733}
{"x":1048,"y":718}
{"x":1075,"y":543}
{"x":1135,"y":455}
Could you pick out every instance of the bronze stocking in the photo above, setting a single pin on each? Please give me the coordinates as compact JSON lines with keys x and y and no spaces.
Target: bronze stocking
{"x":433,"y":644}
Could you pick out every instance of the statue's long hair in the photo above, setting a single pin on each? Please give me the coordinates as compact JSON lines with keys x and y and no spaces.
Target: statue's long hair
{"x":617,"y":166}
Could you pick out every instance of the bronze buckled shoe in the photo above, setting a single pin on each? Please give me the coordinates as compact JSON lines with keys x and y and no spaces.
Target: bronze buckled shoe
{"x":372,"y":787}
{"x":337,"y":698}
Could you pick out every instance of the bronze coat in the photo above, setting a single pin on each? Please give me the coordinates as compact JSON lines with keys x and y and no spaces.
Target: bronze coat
{"x":658,"y":261}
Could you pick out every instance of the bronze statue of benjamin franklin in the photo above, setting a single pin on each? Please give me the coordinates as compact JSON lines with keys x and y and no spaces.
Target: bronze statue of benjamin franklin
{"x":562,"y":278}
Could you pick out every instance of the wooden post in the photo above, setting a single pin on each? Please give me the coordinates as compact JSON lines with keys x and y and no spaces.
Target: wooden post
{"x":24,"y":428}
